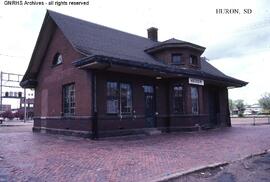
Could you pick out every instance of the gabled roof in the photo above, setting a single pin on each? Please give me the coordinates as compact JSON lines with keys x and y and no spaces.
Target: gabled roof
{"x":172,"y":43}
{"x":94,"y":39}
{"x":97,"y":41}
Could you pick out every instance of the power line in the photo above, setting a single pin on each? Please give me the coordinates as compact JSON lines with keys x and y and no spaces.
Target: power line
{"x":11,"y":56}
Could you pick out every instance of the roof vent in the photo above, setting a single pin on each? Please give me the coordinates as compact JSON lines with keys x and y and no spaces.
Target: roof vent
{"x":152,"y":34}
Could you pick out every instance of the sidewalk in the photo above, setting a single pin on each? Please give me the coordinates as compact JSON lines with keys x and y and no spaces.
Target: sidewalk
{"x":15,"y":122}
{"x":27,"y":156}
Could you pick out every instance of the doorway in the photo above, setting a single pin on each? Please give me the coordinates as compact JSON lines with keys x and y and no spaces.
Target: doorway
{"x":150,"y":107}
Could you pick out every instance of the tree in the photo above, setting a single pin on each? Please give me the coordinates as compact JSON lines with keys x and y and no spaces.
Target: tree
{"x":239,"y":104}
{"x":8,"y":114}
{"x":264,"y":102}
{"x":19,"y":114}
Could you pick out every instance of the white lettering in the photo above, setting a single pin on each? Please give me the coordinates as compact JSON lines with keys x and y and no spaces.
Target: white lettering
{"x":195,"y":81}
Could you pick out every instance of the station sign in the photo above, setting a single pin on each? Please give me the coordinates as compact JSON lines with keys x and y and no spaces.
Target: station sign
{"x":195,"y":81}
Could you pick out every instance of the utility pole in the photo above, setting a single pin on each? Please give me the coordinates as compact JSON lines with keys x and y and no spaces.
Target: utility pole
{"x":24,"y":92}
{"x":11,"y":81}
{"x":1,"y":107}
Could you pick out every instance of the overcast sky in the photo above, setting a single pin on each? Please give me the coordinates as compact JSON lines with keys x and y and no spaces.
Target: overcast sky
{"x":237,"y":44}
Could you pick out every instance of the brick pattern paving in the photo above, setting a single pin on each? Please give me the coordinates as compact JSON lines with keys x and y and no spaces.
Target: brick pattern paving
{"x":27,"y":156}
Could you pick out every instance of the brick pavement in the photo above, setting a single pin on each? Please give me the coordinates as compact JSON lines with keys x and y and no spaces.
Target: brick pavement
{"x":27,"y":156}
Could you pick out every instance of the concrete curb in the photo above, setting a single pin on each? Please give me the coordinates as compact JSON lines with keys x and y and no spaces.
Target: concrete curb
{"x":251,"y":155}
{"x":192,"y":170}
{"x":8,"y":125}
{"x":210,"y":166}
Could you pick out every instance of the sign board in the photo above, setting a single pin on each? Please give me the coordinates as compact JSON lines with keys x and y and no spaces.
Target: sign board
{"x":195,"y":81}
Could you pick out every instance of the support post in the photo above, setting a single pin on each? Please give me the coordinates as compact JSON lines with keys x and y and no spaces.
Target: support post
{"x":95,"y":134}
{"x":254,"y":120}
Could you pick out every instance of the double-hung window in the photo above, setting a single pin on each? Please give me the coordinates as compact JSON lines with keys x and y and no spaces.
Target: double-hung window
{"x":69,"y":100}
{"x":119,"y":98}
{"x":194,"y":100}
{"x":125,"y":98}
{"x":177,"y":94}
{"x":112,"y":98}
{"x":193,"y":60}
{"x":177,"y":59}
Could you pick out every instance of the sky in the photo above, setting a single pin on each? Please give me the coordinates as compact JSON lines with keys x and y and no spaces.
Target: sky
{"x":237,"y":44}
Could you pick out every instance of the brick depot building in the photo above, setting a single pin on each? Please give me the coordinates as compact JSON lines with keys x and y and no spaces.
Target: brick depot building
{"x":92,"y":80}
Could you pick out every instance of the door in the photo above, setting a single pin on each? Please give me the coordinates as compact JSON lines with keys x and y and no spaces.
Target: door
{"x":149,"y":100}
{"x":213,"y":101}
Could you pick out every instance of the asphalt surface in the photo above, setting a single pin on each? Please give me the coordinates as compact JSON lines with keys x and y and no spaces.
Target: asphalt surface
{"x":253,"y":169}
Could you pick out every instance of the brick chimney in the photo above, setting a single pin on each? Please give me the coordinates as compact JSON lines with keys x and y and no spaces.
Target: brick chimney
{"x":152,"y":34}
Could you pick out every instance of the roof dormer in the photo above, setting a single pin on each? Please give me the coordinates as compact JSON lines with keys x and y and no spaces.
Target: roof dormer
{"x":174,"y":43}
{"x":177,"y":53}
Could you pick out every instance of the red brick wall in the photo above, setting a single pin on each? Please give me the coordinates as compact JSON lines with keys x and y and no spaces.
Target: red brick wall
{"x":165,"y":56}
{"x":48,"y":100}
{"x":163,"y":103}
{"x":113,"y":122}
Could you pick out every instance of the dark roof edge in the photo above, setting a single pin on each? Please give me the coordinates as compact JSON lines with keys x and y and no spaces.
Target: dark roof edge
{"x":71,"y":43}
{"x":35,"y":49}
{"x":114,"y":29}
{"x":174,"y":45}
{"x":31,"y":83}
{"x":105,"y":59}
{"x":25,"y":80}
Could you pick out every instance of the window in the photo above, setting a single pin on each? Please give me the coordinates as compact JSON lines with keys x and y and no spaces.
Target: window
{"x":177,"y":97}
{"x":193,"y":60}
{"x":176,"y":59}
{"x":194,"y":100}
{"x":112,"y":97}
{"x":148,"y":89}
{"x":119,"y":95}
{"x":69,"y":100}
{"x":57,"y":59}
{"x":125,"y":97}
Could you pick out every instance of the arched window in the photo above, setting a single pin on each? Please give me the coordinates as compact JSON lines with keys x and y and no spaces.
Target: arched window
{"x":57,"y":59}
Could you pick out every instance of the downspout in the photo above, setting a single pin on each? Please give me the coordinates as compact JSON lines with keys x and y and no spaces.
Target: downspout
{"x":168,"y":107}
{"x":94,"y":107}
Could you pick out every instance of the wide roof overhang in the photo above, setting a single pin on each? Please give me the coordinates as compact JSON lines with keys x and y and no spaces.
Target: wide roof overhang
{"x":99,"y":62}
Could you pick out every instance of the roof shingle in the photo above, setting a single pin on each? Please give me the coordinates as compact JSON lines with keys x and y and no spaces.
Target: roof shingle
{"x":96,"y":40}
